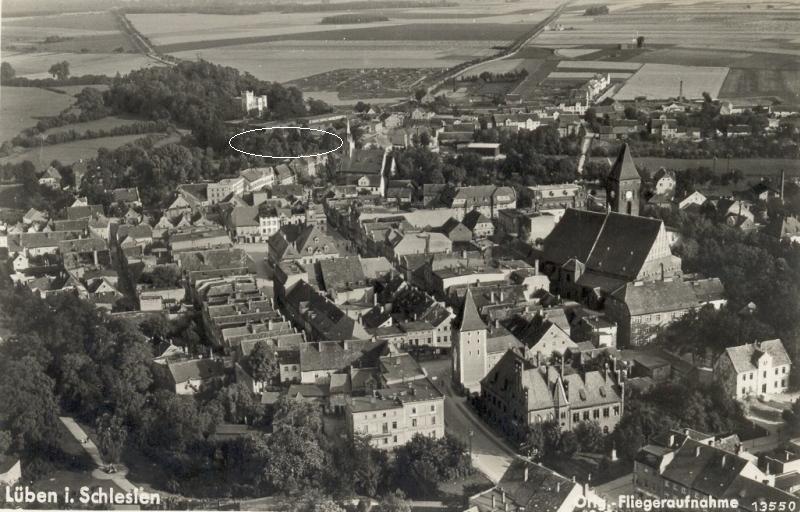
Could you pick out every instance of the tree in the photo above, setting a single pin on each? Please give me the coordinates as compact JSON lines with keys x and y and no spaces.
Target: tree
{"x":424,"y":462}
{"x":533,"y":445}
{"x":111,"y":434}
{"x":569,"y":443}
{"x":263,"y":363}
{"x":792,"y":417}
{"x":28,"y":402}
{"x":590,"y":436}
{"x":60,"y":70}
{"x":7,"y":71}
{"x":394,"y":502}
{"x":419,"y":94}
{"x":551,"y":433}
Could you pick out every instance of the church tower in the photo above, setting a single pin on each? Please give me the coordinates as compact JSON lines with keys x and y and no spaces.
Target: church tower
{"x":624,"y":184}
{"x":469,"y":347}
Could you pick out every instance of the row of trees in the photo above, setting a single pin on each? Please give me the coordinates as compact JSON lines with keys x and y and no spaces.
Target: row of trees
{"x":71,"y":135}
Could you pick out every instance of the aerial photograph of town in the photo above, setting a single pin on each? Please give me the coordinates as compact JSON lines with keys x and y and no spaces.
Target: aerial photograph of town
{"x":400,"y":255}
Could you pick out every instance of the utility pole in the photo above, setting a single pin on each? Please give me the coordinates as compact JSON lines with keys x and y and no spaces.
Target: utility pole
{"x":471,"y":434}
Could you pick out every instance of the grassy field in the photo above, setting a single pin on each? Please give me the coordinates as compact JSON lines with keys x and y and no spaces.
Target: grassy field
{"x":35,"y":65}
{"x":662,"y":81}
{"x":290,"y":60}
{"x":21,"y":107}
{"x":783,"y":84}
{"x":748,"y":166}
{"x":704,"y":26}
{"x":69,"y":152}
{"x":95,"y":32}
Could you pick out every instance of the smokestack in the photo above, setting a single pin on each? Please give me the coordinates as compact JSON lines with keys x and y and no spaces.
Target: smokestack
{"x":526,"y":472}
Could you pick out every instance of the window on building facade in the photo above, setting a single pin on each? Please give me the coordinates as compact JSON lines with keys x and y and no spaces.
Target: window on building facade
{"x":414,"y":422}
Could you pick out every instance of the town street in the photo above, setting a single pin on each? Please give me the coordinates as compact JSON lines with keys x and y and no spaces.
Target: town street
{"x":491,"y":454}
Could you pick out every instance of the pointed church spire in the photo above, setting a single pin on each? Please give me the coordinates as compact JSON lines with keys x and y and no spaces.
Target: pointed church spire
{"x":470,"y":318}
{"x":624,"y":168}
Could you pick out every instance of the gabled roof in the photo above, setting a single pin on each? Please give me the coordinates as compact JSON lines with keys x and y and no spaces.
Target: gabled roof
{"x":623,"y":244}
{"x":624,"y":168}
{"x":363,"y":161}
{"x":342,"y":272}
{"x":745,"y":357}
{"x":544,"y":490}
{"x":573,"y":236}
{"x":656,"y":297}
{"x":470,"y":319}
{"x":127,"y":195}
{"x":195,"y":369}
{"x":475,"y":217}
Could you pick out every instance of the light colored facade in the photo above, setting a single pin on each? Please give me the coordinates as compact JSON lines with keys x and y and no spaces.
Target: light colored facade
{"x":391,"y":422}
{"x":251,"y":102}
{"x":470,"y":350}
{"x":217,"y":192}
{"x":755,"y":369}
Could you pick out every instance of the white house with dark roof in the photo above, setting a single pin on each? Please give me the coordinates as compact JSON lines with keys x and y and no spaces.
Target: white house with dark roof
{"x":760,"y":368}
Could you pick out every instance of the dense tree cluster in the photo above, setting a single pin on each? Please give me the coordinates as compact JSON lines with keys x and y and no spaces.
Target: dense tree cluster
{"x":201,"y":96}
{"x":66,"y":357}
{"x":596,"y":10}
{"x":707,"y":408}
{"x":155,"y":170}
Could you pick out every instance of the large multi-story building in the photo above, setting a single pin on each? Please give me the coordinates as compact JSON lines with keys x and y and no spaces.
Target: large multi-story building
{"x":219,"y":191}
{"x":518,"y":393}
{"x":691,"y":465}
{"x":403,"y":404}
{"x":760,"y":368}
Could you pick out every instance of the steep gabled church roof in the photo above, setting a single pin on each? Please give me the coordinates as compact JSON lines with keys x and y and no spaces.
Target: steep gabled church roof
{"x":624,"y":168}
{"x":470,"y":319}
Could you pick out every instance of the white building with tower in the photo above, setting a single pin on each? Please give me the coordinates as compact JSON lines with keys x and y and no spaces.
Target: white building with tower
{"x":251,"y":102}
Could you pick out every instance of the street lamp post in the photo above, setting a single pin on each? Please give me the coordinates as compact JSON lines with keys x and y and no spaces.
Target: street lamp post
{"x":471,"y":433}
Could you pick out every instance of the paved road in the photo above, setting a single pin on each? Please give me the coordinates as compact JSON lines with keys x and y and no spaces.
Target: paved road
{"x":491,"y":454}
{"x":510,"y":52}
{"x":94,"y":452}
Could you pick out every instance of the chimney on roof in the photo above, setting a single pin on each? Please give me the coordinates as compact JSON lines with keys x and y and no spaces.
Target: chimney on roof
{"x":671,"y":440}
{"x":503,"y":495}
{"x":502,"y":295}
{"x":788,"y":454}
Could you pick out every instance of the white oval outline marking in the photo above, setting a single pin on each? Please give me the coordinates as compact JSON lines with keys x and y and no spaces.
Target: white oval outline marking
{"x":230,"y":141}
